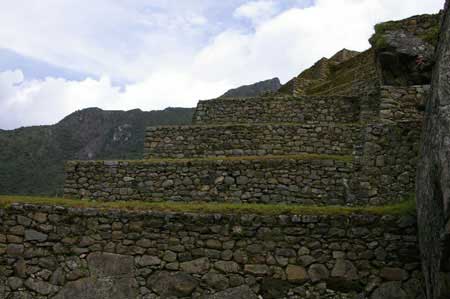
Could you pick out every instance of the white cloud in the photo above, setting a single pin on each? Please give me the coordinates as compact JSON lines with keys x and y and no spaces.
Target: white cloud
{"x":257,"y":11}
{"x":293,"y":40}
{"x":173,"y":54}
{"x":24,"y":102}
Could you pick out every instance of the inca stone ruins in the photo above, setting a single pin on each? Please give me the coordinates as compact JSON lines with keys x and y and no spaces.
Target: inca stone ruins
{"x":343,"y":133}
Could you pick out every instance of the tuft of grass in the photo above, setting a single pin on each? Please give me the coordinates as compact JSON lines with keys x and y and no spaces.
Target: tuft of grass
{"x":387,"y":26}
{"x":403,"y":208}
{"x":344,"y":158}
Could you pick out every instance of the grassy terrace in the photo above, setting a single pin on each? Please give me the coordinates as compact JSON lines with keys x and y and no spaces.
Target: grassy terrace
{"x":265,"y":124}
{"x":343,"y":158}
{"x":403,"y":208}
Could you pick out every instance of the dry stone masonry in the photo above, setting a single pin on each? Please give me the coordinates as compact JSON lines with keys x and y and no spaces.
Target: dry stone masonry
{"x":56,"y":252}
{"x":296,"y":179}
{"x":337,"y":109}
{"x":250,"y":140}
{"x":340,"y":156}
{"x":344,"y":132}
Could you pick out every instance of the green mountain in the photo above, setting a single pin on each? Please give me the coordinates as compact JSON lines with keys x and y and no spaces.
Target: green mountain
{"x":254,"y":89}
{"x":32,"y":158}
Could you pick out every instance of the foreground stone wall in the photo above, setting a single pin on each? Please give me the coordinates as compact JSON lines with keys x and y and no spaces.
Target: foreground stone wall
{"x":56,"y":252}
{"x":339,"y":109}
{"x":283,"y":179}
{"x":385,"y":167}
{"x":400,"y":103}
{"x":249,"y":140}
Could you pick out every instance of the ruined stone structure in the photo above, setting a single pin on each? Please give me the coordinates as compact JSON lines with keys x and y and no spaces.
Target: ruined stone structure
{"x":343,"y":132}
{"x":339,"y":133}
{"x":85,"y":253}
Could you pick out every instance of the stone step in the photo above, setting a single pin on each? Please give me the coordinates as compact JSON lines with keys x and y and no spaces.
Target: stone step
{"x":307,"y":179}
{"x":339,"y":109}
{"x":250,"y":140}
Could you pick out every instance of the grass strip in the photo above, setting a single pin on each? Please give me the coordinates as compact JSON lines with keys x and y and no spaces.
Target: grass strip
{"x":344,"y":158}
{"x":403,"y":208}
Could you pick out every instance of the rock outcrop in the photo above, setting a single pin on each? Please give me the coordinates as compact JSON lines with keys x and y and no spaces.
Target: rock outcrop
{"x":433,"y":176}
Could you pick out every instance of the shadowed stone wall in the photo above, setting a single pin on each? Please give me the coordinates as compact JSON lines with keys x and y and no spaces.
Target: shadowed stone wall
{"x":56,"y":252}
{"x":385,"y":165}
{"x":250,"y":140}
{"x":403,"y":103}
{"x":338,"y":109}
{"x":282,"y":179}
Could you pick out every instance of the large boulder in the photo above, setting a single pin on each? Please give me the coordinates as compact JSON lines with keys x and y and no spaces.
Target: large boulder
{"x":389,"y":290}
{"x":94,"y":288}
{"x":168,"y":284}
{"x":111,"y":276}
{"x":405,"y":49}
{"x":433,"y":173}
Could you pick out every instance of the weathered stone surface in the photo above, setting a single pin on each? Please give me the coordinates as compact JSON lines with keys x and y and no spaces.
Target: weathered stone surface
{"x":433,"y":175}
{"x":172,"y":284}
{"x":233,"y":140}
{"x":242,"y":292}
{"x":33,"y":235}
{"x":151,"y":182}
{"x":275,"y":288}
{"x":261,"y":252}
{"x":94,"y":288}
{"x":256,"y":269}
{"x":110,"y":265}
{"x":148,"y":260}
{"x":40,"y":287}
{"x":227,"y":266}
{"x":296,"y":274}
{"x":200,"y":265}
{"x":318,"y":272}
{"x":15,"y":282}
{"x":390,"y":273}
{"x":389,"y":290}
{"x":216,"y":280}
{"x":345,"y":270}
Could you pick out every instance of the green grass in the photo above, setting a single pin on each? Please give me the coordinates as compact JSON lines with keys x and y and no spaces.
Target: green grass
{"x":344,"y":158}
{"x":262,"y":124}
{"x":402,"y":208}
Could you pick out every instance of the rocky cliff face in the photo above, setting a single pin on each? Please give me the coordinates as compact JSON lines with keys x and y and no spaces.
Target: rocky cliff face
{"x":433,"y":176}
{"x":255,"y":89}
{"x":32,"y":158}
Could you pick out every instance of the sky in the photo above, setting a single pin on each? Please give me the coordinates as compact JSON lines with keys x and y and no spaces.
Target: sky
{"x":59,"y":56}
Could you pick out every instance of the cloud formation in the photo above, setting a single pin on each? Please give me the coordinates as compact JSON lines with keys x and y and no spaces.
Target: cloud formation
{"x":172,"y":53}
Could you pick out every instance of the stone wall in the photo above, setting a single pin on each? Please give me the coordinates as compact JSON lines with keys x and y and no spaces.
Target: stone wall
{"x":400,"y":103}
{"x":283,"y":179}
{"x":385,"y":166}
{"x":249,"y":140}
{"x":339,"y":109}
{"x":61,"y":253}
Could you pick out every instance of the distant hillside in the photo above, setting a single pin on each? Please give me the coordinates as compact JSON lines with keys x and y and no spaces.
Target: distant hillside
{"x":255,"y":89}
{"x":32,"y":158}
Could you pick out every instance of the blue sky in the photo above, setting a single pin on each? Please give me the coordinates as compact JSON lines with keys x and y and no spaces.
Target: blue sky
{"x":57,"y":56}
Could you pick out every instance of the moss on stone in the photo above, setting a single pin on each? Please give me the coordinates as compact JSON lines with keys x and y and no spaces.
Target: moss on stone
{"x":387,"y":26}
{"x":431,"y":36}
{"x":403,"y":208}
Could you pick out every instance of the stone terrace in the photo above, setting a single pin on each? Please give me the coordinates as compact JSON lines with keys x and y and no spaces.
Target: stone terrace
{"x":333,"y":135}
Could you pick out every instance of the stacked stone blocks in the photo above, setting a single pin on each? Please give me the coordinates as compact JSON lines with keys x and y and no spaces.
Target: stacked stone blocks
{"x":327,"y":150}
